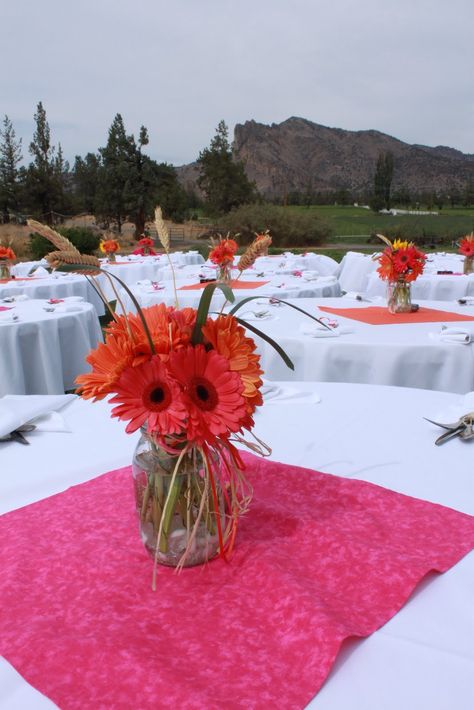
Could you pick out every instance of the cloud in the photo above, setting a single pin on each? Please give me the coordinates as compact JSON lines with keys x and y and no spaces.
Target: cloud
{"x":397,"y":66}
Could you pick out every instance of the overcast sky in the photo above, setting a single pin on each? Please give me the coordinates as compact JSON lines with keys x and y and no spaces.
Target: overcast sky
{"x":404,"y":67}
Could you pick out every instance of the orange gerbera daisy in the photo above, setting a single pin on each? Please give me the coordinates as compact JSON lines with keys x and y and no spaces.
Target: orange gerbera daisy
{"x":108,"y":361}
{"x":466,"y":245}
{"x":147,"y":393}
{"x":228,"y":338}
{"x":212,"y":393}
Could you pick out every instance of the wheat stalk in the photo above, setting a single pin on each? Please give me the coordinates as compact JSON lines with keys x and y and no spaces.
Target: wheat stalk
{"x":256,"y":249}
{"x":61,"y":243}
{"x":164,"y":237}
{"x":162,"y":229}
{"x":57,"y":258}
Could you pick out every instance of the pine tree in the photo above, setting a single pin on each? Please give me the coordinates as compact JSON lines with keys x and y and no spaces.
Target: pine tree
{"x":86,"y":178}
{"x":45,"y":193}
{"x":116,"y":164}
{"x":382,"y":182}
{"x":222,"y":179}
{"x":10,"y":157}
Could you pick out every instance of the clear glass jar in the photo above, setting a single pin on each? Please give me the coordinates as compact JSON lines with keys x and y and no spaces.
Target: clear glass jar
{"x":4,"y":269}
{"x":399,"y":296}
{"x":468,"y":264}
{"x":224,"y":273}
{"x":111,"y":257}
{"x":181,"y":507}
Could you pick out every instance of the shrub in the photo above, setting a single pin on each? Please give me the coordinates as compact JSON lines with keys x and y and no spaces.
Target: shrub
{"x":85,"y":240}
{"x":287,"y":228}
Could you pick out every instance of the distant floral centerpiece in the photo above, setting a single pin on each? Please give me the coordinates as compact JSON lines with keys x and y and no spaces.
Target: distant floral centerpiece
{"x":109,"y":247}
{"x":145,"y":247}
{"x":6,"y":255}
{"x":466,"y":248}
{"x":400,"y":263}
{"x":222,"y":255}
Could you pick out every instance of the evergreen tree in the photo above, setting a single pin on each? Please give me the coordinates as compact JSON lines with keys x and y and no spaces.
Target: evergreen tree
{"x":44,"y":190}
{"x":86,"y":179}
{"x":114,"y":176}
{"x":382,"y":182}
{"x":222,"y":179}
{"x":10,"y":157}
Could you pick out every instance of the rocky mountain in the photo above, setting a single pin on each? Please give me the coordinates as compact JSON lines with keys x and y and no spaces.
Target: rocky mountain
{"x":299,"y":155}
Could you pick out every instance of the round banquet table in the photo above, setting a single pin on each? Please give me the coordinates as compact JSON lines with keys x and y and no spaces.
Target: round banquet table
{"x":402,"y":354}
{"x":275,"y":286}
{"x":58,"y":285}
{"x":428,"y":286}
{"x":422,"y":657}
{"x":43,"y":351}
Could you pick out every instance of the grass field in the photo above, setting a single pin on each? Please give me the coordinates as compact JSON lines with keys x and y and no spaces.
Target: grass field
{"x":356,"y":221}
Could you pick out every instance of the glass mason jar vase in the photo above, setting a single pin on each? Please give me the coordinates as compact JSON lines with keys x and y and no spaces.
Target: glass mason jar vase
{"x":399,"y":296}
{"x":4,"y":269}
{"x":111,"y":257}
{"x":178,"y":506}
{"x":468,"y":264}
{"x":224,"y":273}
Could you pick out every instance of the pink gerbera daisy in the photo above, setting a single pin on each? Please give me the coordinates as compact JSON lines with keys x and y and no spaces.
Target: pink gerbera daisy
{"x":213,"y":393}
{"x":147,"y":393}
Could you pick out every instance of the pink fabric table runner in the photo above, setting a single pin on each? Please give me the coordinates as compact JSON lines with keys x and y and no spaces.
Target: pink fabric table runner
{"x":318,"y":559}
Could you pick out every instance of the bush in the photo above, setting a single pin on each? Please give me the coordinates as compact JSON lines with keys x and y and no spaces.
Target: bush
{"x":85,"y":240}
{"x":287,"y":228}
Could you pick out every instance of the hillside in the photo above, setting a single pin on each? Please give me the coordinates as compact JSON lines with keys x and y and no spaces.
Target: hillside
{"x":299,"y":155}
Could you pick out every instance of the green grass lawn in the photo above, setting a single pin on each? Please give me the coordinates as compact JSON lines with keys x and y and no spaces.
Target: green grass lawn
{"x":356,"y":221}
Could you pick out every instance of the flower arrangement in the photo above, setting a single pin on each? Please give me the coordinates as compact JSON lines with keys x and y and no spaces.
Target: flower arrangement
{"x":222,"y":254}
{"x":191,"y":383}
{"x":466,"y":247}
{"x":400,"y":263}
{"x":6,"y":254}
{"x":109,"y":247}
{"x":145,"y":247}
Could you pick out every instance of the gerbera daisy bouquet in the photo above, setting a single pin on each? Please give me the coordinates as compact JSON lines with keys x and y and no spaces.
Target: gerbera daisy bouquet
{"x":6,"y":255}
{"x":145,"y":247}
{"x":400,"y":263}
{"x":222,"y":255}
{"x":109,"y":247}
{"x":191,"y":382}
{"x":466,"y":248}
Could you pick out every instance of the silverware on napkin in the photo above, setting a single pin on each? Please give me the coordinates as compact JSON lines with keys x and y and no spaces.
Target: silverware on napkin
{"x":18,"y":434}
{"x":462,"y":428}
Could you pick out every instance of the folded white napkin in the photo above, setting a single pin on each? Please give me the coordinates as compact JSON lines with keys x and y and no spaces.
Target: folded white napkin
{"x":310,"y":275}
{"x":258,"y":314}
{"x":318,"y":331}
{"x":73,"y":299}
{"x":14,"y":299}
{"x":16,"y":410}
{"x":8,"y":316}
{"x":40,"y":272}
{"x":456,"y":335}
{"x":327,"y":279}
{"x":69,"y":308}
{"x":357,"y":296}
{"x":144,"y":282}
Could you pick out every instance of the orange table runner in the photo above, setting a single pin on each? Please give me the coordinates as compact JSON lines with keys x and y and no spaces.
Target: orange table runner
{"x":233,"y":284}
{"x":379,"y":315}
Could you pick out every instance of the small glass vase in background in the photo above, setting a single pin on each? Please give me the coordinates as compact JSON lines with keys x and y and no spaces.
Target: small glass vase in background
{"x":399,"y":296}
{"x":111,"y":257}
{"x":224,"y":273}
{"x":4,"y":269}
{"x":468,"y":264}
{"x":182,"y":508}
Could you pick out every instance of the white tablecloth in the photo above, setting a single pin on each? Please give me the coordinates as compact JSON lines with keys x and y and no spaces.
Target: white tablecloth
{"x":424,"y":656}
{"x":58,"y":285}
{"x":43,"y":352}
{"x":405,"y":355}
{"x":282,"y":286}
{"x":429,"y":286}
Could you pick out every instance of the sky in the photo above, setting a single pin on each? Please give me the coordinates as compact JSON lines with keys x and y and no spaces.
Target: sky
{"x":403,"y":67}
